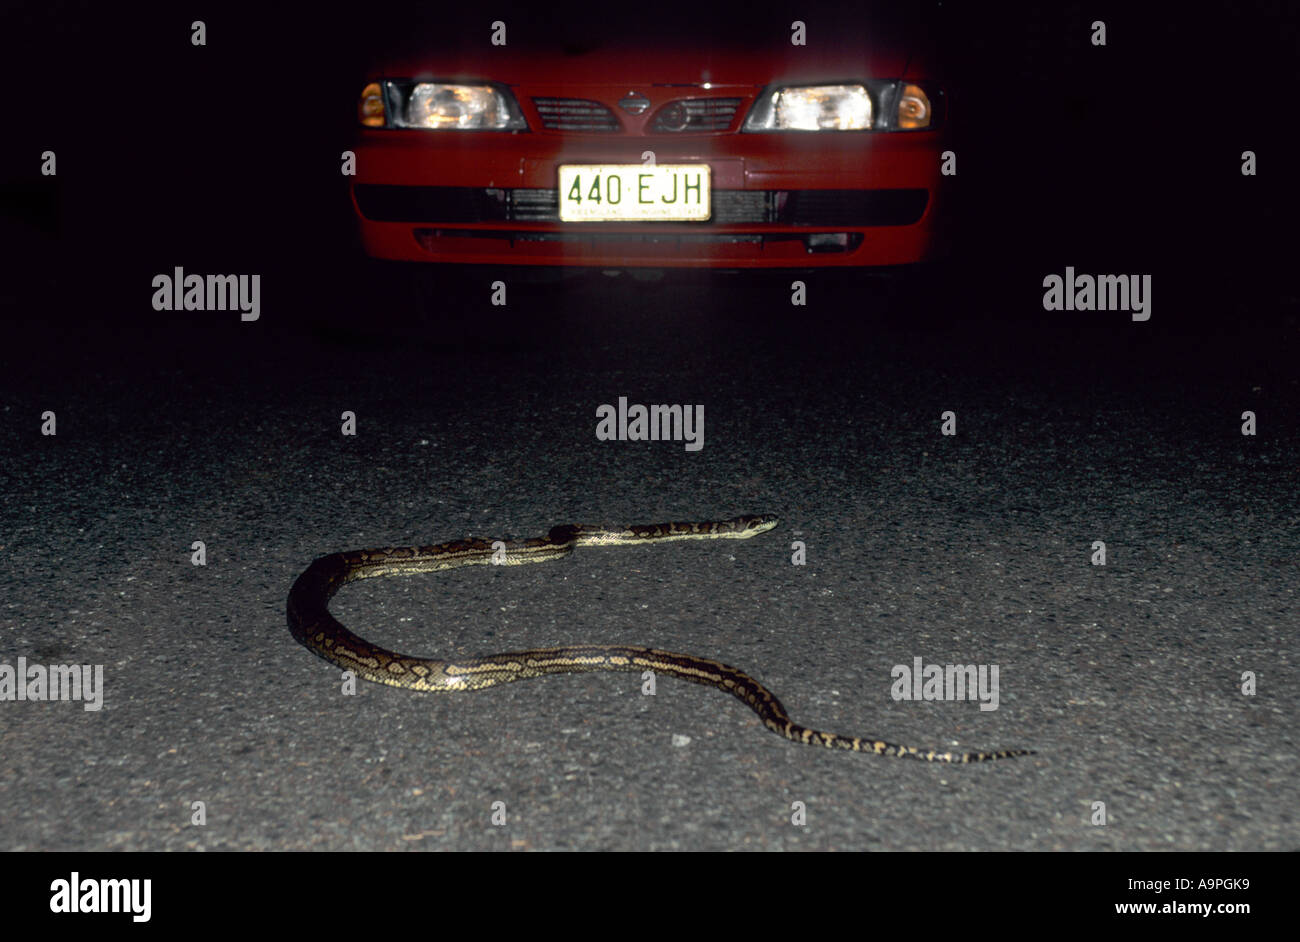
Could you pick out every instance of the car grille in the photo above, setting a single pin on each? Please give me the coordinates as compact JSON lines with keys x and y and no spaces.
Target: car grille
{"x":697,"y":114}
{"x":575,"y":114}
{"x":451,"y":205}
{"x":527,"y":205}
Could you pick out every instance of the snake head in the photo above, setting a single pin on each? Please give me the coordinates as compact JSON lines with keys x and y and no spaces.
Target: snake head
{"x":755,"y":524}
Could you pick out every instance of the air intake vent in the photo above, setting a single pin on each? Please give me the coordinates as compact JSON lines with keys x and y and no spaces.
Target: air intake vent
{"x":575,"y":114}
{"x":697,"y":114}
{"x":534,"y":205}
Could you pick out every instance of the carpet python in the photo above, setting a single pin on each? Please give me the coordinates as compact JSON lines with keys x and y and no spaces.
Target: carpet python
{"x":312,"y":624}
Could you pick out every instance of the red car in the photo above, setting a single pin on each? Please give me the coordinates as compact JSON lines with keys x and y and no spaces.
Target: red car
{"x":644,"y":154}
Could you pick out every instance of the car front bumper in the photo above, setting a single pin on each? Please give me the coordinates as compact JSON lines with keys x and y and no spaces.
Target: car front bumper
{"x":779,"y":200}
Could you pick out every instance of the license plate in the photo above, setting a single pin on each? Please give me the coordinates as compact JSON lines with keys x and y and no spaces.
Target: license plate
{"x":634,"y":192}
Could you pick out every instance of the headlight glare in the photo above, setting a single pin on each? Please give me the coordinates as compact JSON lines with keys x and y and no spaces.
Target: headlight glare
{"x":871,"y":105}
{"x":815,"y":108}
{"x":440,"y":106}
{"x":826,"y":108}
{"x":455,"y":107}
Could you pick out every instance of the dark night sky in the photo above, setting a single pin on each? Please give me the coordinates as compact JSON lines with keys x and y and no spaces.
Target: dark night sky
{"x":1122,"y":158}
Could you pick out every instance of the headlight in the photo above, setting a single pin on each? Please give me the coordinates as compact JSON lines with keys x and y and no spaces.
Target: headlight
{"x":864,"y":106}
{"x":441,"y":106}
{"x":813,"y":108}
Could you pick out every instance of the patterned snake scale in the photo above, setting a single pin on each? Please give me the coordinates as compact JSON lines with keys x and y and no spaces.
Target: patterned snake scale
{"x":312,"y":624}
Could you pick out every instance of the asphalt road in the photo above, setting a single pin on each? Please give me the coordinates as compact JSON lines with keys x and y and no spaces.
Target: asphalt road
{"x":972,"y":548}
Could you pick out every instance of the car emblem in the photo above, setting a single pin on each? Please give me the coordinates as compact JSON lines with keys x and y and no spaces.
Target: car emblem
{"x":634,"y":103}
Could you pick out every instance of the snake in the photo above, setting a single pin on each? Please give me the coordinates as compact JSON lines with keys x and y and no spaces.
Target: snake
{"x":311,"y":623}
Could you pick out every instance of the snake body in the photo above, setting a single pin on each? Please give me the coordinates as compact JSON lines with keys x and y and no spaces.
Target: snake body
{"x":312,"y":624}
